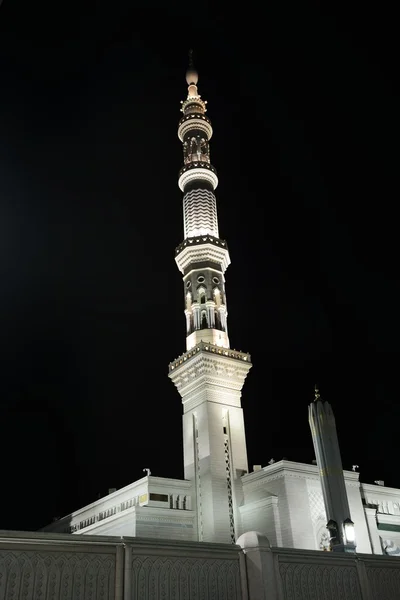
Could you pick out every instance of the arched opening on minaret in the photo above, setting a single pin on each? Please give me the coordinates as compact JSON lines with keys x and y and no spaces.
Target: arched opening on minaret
{"x":202,"y":295}
{"x":204,"y":322}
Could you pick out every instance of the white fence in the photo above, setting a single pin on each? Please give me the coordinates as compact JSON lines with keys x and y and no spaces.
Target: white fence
{"x":287,"y":574}
{"x":40,"y":566}
{"x":71,"y":567}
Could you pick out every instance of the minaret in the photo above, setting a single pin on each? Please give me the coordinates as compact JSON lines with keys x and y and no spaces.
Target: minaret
{"x":327,"y":452}
{"x":210,"y":375}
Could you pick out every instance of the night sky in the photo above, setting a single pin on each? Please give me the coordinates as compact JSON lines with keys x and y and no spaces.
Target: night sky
{"x":304,"y":107}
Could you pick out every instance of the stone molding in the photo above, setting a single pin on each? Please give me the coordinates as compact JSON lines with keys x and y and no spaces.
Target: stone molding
{"x":198,"y":253}
{"x":376,"y":490}
{"x":196,"y":117}
{"x":285,"y":468}
{"x":197,"y":124}
{"x":204,"y":369}
{"x":387,"y":519}
{"x":197,"y":171}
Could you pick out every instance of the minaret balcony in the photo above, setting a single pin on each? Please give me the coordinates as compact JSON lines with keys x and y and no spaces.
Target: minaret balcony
{"x":204,"y":248}
{"x":198,"y":170}
{"x":211,"y":348}
{"x":197,"y":122}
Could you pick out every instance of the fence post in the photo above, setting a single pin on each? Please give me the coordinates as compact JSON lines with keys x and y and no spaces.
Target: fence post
{"x":260,"y":569}
{"x":363,"y":579}
{"x":128,"y":573}
{"x":119,"y":572}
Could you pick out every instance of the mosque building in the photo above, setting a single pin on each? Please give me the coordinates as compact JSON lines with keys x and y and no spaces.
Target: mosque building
{"x":219,"y":499}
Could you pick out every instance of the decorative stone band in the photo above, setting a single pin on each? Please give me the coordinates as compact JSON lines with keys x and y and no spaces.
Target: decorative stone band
{"x":210,"y":374}
{"x":201,"y":239}
{"x":194,"y":103}
{"x":202,"y":249}
{"x":198,"y":122}
{"x":237,"y":355}
{"x":197,"y":171}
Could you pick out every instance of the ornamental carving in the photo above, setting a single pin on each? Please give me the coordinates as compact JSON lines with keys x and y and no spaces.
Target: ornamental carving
{"x":384,"y":582}
{"x":322,"y":582}
{"x":30,"y":575}
{"x":173,"y":578}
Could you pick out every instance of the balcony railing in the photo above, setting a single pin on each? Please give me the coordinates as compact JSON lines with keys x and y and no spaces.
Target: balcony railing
{"x":204,"y":346}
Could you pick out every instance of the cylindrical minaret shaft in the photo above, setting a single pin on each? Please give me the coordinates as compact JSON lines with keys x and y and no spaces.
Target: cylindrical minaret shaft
{"x":327,"y":452}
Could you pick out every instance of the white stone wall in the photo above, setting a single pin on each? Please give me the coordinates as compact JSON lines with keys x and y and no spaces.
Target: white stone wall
{"x":358,"y":516}
{"x":262,"y":515}
{"x":321,"y":575}
{"x":60,"y":567}
{"x":116,"y":513}
{"x":289,"y":484}
{"x":302,"y":516}
{"x":289,"y":574}
{"x":239,"y":461}
{"x":168,"y":524}
{"x":214,"y":496}
{"x":258,"y":487}
{"x":386,"y":499}
{"x":299,"y":512}
{"x":36,"y":566}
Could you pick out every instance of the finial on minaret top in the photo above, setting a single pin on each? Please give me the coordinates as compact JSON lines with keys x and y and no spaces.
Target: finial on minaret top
{"x":192,"y":76}
{"x":191,"y":65}
{"x":317,"y":395}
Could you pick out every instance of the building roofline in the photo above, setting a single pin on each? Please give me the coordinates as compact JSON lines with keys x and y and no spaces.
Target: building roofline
{"x":288,"y":466}
{"x":150,"y":479}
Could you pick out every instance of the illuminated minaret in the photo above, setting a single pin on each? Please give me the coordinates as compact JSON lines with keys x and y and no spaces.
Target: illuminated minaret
{"x":210,"y":375}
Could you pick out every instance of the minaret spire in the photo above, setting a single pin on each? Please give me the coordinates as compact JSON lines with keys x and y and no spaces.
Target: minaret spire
{"x":203,"y":257}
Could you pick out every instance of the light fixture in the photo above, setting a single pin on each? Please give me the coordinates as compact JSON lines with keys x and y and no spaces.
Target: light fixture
{"x":333,"y":532}
{"x":349,"y":531}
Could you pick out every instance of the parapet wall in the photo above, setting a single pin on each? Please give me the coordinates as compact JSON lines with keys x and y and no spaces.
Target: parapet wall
{"x":49,"y":566}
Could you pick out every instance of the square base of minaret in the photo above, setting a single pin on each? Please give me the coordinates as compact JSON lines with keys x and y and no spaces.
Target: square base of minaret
{"x":210,"y":380}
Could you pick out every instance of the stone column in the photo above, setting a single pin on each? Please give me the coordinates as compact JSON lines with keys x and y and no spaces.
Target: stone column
{"x":222,"y":317}
{"x":196,"y":315}
{"x":188,"y":314}
{"x":210,"y":305}
{"x":370,"y":517}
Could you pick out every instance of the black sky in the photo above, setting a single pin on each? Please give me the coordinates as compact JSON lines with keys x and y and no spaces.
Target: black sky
{"x":304,"y":105}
